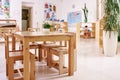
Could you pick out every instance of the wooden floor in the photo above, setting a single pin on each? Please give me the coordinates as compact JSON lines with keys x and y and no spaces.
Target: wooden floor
{"x":91,"y":64}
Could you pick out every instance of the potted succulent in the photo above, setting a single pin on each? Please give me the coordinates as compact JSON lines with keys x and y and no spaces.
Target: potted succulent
{"x":46,"y":27}
{"x":111,"y":26}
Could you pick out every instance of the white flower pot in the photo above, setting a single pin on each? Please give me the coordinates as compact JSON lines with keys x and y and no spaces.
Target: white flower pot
{"x":46,"y":31}
{"x":110,"y":43}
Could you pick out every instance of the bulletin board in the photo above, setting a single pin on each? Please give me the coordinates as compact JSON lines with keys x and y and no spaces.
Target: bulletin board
{"x":5,"y":8}
{"x":49,"y":11}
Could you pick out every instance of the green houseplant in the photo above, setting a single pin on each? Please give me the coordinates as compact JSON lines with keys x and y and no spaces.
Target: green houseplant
{"x":46,"y":28}
{"x":111,"y":26}
{"x":112,"y":12}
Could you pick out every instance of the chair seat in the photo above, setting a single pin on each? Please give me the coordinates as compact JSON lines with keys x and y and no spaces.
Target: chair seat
{"x":50,"y":45}
{"x":62,"y":50}
{"x":34,"y":45}
{"x":45,"y":47}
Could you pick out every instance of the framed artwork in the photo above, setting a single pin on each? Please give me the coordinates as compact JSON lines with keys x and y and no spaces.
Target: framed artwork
{"x":49,"y":11}
{"x":5,"y":8}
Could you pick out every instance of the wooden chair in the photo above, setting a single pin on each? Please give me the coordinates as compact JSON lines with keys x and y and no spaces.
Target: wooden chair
{"x":59,"y":64}
{"x":12,"y":57}
{"x":60,"y":52}
{"x":44,"y":49}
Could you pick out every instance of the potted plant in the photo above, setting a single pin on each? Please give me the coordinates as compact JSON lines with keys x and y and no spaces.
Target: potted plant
{"x":46,"y":27}
{"x":85,"y":10}
{"x":111,"y":26}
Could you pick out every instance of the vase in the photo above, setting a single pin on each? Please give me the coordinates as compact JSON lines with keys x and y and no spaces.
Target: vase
{"x":110,"y":43}
{"x":46,"y":31}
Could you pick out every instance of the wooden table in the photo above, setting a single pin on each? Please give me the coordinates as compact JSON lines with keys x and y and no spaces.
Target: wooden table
{"x":27,"y":37}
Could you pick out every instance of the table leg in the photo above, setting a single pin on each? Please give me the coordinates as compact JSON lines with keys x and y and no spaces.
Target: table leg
{"x":26,"y":59}
{"x":71,"y":57}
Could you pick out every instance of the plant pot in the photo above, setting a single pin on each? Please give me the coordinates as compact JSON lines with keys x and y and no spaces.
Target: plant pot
{"x":46,"y":31}
{"x":110,"y":43}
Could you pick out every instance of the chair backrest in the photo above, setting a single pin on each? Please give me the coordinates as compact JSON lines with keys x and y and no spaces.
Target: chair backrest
{"x":6,"y":36}
{"x":8,"y":47}
{"x":34,"y":29}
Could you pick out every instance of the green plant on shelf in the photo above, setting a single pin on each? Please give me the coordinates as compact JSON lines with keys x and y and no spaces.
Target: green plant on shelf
{"x":46,"y":25}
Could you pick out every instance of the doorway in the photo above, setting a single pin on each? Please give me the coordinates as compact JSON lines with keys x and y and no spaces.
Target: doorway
{"x":26,"y":18}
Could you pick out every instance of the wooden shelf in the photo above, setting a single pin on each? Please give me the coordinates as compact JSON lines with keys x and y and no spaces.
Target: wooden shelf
{"x":92,"y":29}
{"x":59,"y":25}
{"x":101,"y":34}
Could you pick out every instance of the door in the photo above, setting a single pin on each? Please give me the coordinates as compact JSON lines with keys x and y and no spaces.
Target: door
{"x":25,"y":19}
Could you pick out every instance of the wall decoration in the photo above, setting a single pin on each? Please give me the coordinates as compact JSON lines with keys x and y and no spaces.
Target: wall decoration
{"x":49,"y":12}
{"x":74,"y":17}
{"x":5,"y":8}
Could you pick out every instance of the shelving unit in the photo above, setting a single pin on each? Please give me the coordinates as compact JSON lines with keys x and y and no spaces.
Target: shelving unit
{"x":91,"y":27}
{"x":101,"y":35}
{"x":59,"y":25}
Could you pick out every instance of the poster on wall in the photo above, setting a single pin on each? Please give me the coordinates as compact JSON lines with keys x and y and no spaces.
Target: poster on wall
{"x":4,"y":8}
{"x":49,"y":11}
{"x":73,"y":18}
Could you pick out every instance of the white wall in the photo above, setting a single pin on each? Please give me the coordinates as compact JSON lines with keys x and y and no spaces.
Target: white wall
{"x":15,"y":11}
{"x":63,"y":7}
{"x":79,"y":4}
{"x":38,"y":10}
